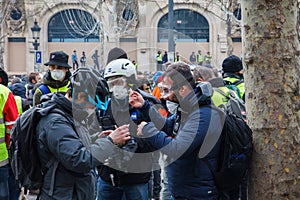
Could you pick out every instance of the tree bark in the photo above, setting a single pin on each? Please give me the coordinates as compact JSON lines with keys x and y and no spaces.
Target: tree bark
{"x":271,"y":59}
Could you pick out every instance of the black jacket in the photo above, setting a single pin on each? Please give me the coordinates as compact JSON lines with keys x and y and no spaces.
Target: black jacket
{"x":69,"y":146}
{"x":120,"y":115}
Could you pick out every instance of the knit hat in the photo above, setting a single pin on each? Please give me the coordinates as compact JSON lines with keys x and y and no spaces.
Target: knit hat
{"x":116,"y":53}
{"x":232,"y":64}
{"x":3,"y":77}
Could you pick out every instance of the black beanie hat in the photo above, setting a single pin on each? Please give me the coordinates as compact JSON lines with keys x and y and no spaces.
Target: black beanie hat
{"x":3,"y":77}
{"x":116,"y":53}
{"x":232,"y":64}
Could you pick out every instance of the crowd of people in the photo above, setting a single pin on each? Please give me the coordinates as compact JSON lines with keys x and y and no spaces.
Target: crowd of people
{"x":124,"y":134}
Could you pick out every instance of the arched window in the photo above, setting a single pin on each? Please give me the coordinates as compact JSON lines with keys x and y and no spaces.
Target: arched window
{"x":73,"y":25}
{"x":189,"y":26}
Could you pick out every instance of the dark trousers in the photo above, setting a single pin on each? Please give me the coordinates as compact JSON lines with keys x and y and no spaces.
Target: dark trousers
{"x":159,"y":65}
{"x":75,"y":64}
{"x":8,"y":185}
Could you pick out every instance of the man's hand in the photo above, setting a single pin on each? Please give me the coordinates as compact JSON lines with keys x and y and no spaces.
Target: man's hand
{"x":135,"y":99}
{"x":140,"y":128}
{"x":120,"y":135}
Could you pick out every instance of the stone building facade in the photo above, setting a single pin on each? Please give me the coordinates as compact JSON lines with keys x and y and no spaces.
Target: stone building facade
{"x":133,"y":25}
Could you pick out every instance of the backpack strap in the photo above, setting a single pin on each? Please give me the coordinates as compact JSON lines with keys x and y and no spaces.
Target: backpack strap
{"x":235,"y":102}
{"x":221,"y":92}
{"x":44,"y":89}
{"x":238,"y":82}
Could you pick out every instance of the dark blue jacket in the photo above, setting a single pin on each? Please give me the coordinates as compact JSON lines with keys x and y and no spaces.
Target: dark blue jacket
{"x":189,"y":177}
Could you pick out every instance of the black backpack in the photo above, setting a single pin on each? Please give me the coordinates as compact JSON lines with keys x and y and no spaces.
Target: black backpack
{"x":23,"y":155}
{"x":236,"y":152}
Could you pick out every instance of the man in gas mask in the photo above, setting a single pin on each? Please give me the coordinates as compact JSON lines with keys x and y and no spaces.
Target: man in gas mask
{"x":56,"y":78}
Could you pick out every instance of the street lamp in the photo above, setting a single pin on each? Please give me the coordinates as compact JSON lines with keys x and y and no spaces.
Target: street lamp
{"x":36,"y":34}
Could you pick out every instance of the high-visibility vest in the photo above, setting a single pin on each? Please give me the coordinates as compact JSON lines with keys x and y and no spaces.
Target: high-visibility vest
{"x":52,"y":90}
{"x":208,"y":58}
{"x":4,"y":92}
{"x":200,"y":58}
{"x":218,"y":98}
{"x":240,"y":86}
{"x":18,"y":100}
{"x":159,"y":57}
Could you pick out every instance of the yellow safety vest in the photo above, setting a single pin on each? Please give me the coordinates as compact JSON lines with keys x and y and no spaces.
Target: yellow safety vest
{"x":18,"y":100}
{"x":159,"y":57}
{"x":240,"y":86}
{"x":200,"y":58}
{"x":218,"y":98}
{"x":4,"y":92}
{"x":61,"y":89}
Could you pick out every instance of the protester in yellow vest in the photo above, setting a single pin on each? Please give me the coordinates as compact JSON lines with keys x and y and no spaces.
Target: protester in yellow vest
{"x":159,"y":59}
{"x":8,"y":115}
{"x":208,"y":58}
{"x":233,"y":74}
{"x":57,"y":78}
{"x":199,"y":58}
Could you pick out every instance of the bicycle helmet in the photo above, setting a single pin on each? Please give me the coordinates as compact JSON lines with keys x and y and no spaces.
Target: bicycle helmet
{"x":121,"y":67}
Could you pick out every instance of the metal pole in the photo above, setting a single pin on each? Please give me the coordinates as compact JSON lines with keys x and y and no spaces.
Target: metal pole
{"x":171,"y":45}
{"x":115,"y":22}
{"x":101,"y":31}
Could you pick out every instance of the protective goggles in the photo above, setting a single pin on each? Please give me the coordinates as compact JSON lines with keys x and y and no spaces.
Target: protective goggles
{"x":165,"y":91}
{"x":119,"y":81}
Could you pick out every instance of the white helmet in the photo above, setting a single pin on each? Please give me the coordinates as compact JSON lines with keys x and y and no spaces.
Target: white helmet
{"x":120,"y":67}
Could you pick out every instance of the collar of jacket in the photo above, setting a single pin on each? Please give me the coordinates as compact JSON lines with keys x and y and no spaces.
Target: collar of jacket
{"x":232,"y":75}
{"x":216,"y":82}
{"x":57,"y":101}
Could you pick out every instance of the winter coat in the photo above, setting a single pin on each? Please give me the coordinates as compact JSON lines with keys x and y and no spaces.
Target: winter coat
{"x":71,"y":176}
{"x":129,"y":115}
{"x":189,"y":177}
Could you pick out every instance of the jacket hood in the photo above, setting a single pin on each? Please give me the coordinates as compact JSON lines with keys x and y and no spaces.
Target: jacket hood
{"x":193,"y":100}
{"x":18,"y":89}
{"x":57,"y":101}
{"x":216,"y":82}
{"x":48,"y":80}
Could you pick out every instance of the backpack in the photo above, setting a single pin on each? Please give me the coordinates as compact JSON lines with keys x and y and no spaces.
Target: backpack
{"x":23,"y":154}
{"x":233,"y":86}
{"x":234,"y":105}
{"x":235,"y":153}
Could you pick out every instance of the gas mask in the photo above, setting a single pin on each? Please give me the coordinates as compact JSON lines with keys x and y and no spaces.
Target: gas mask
{"x":57,"y":74}
{"x":172,"y":106}
{"x":119,"y":92}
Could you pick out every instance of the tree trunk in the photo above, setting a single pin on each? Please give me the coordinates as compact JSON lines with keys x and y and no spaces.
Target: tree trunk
{"x":271,"y":58}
